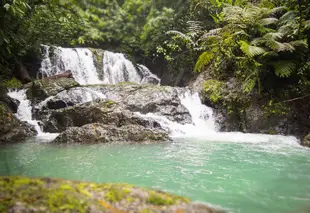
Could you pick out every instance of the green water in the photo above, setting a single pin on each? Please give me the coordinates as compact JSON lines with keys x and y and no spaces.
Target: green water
{"x":241,"y":177}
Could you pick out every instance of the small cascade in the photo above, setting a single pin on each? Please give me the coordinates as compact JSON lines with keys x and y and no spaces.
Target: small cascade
{"x":203,"y":121}
{"x":24,"y":109}
{"x":24,"y":112}
{"x":117,"y":68}
{"x":148,"y":76}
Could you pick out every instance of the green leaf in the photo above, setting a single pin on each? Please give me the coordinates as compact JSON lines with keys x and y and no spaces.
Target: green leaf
{"x":203,"y":60}
{"x":284,"y":69}
{"x":268,"y":21}
{"x":251,"y":51}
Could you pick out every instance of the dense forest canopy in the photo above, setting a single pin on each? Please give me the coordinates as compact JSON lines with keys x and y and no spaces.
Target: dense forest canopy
{"x":264,"y":44}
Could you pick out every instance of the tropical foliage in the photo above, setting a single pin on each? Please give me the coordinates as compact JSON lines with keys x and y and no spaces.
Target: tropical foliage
{"x":249,"y":41}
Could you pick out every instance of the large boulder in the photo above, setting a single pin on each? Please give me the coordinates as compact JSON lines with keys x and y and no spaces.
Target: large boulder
{"x":41,"y":89}
{"x":100,"y":133}
{"x":11,"y":129}
{"x":22,"y":194}
{"x":158,"y":100}
{"x":101,"y":111}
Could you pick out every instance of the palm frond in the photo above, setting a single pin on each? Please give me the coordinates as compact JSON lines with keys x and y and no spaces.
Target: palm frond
{"x":284,"y":69}
{"x":268,"y":21}
{"x":251,"y":51}
{"x":203,"y":60}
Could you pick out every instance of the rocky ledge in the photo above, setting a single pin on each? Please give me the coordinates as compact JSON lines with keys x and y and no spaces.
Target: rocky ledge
{"x":21,"y":194}
{"x":146,"y":98}
{"x":100,"y":133}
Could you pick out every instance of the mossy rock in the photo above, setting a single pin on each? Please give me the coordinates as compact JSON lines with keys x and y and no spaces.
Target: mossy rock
{"x":11,"y":129}
{"x":306,"y":141}
{"x":44,"y":88}
{"x":22,"y":194}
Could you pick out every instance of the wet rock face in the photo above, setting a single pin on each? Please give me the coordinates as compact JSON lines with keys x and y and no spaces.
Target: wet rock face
{"x":11,"y":129}
{"x":100,"y":133}
{"x":136,"y":98}
{"x":105,"y":112}
{"x":21,"y":194}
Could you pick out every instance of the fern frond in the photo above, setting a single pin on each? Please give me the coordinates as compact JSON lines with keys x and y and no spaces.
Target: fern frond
{"x":268,"y":21}
{"x":287,"y":18}
{"x":258,"y":41}
{"x":286,"y":29}
{"x":195,"y":26}
{"x":271,"y":54}
{"x":302,"y":44}
{"x":213,"y":32}
{"x":241,"y":33}
{"x":307,"y":24}
{"x":249,"y":84}
{"x":284,"y":69}
{"x":278,"y":10}
{"x":181,"y":35}
{"x":251,"y":51}
{"x":274,"y":36}
{"x":280,"y":47}
{"x":203,"y":60}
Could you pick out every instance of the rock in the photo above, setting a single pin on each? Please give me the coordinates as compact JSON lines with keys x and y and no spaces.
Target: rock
{"x":42,"y":89}
{"x":100,"y":133}
{"x":145,"y":99}
{"x":101,"y":111}
{"x":160,"y":100}
{"x":22,"y":194}
{"x":306,"y":141}
{"x":10,"y":102}
{"x":11,"y":129}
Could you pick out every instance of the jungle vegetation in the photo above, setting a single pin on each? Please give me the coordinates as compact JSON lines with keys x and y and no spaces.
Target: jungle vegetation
{"x":264,"y":44}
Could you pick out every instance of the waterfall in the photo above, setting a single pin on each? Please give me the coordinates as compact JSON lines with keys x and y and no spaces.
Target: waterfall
{"x":203,"y":121}
{"x":24,"y":112}
{"x":117,"y":68}
{"x":81,"y":61}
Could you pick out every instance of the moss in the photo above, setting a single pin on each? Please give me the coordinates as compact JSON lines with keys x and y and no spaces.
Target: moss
{"x":12,"y":83}
{"x":53,"y":195}
{"x":116,"y":194}
{"x":214,"y":89}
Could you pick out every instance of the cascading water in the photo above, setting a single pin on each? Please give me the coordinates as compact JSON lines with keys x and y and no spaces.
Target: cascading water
{"x":80,"y":61}
{"x":24,"y":112}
